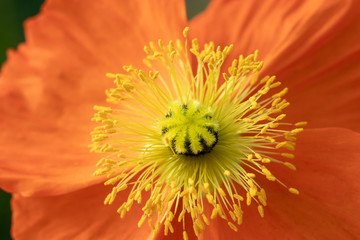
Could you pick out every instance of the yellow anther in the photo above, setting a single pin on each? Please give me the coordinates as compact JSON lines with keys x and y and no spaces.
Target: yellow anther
{"x":166,"y":229}
{"x":250,"y":182}
{"x":195,"y":44}
{"x":232,"y":226}
{"x":232,"y":215}
{"x":183,"y":193}
{"x":227,"y":173}
{"x":99,"y":137}
{"x":199,"y":209}
{"x":237,"y":210}
{"x":265,"y":79}
{"x":238,"y":197}
{"x":122,"y":187}
{"x":110,"y":131}
{"x":168,"y":224}
{"x":297,"y":130}
{"x":203,"y":189}
{"x":152,"y":46}
{"x":148,"y":187}
{"x":197,"y":231}
{"x":200,"y":224}
{"x":142,"y":220}
{"x":161,"y":44}
{"x":294,"y":191}
{"x":270,"y":81}
{"x":289,"y":165}
{"x":264,"y":91}
{"x":266,"y":171}
{"x":280,"y":94}
{"x":249,"y":157}
{"x":206,"y":220}
{"x":280,"y":145}
{"x":250,"y":175}
{"x":265,"y":160}
{"x":280,"y":117}
{"x":151,"y":224}
{"x":254,"y":79}
{"x":264,"y":129}
{"x":138,"y":197}
{"x":258,"y":156}
{"x":274,"y":85}
{"x":259,"y":67}
{"x":264,"y":117}
{"x":283,"y":106}
{"x":181,"y":215}
{"x":110,"y":161}
{"x":147,"y":50}
{"x":113,"y":180}
{"x":129,"y":204}
{"x":271,"y":178}
{"x":210,"y":198}
{"x":262,"y":197}
{"x":101,"y":171}
{"x":101,"y":161}
{"x":248,"y":199}
{"x":260,"y":112}
{"x":290,"y":138}
{"x":192,"y":212}
{"x":288,"y":155}
{"x":289,"y":146}
{"x":261,"y":210}
{"x":254,"y":105}
{"x":110,"y":75}
{"x":214,"y":213}
{"x":253,"y":191}
{"x":228,"y":49}
{"x":247,"y":120}
{"x":193,"y":192}
{"x":185,"y":236}
{"x":122,"y":213}
{"x":300,"y":124}
{"x":274,"y":125}
{"x":221,"y":192}
{"x":191,"y":181}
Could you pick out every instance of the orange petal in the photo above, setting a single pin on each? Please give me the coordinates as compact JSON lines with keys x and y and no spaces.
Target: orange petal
{"x":328,"y":205}
{"x":77,"y":215}
{"x":311,"y":46}
{"x":49,"y":85}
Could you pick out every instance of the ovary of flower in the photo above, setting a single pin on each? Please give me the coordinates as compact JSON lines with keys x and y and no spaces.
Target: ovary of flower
{"x":184,"y":135}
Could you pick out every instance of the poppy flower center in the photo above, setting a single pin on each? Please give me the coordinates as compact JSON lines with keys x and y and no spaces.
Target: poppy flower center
{"x":189,"y":129}
{"x":184,"y":140}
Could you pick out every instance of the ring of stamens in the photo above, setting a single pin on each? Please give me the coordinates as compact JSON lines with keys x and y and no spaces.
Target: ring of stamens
{"x":245,"y":122}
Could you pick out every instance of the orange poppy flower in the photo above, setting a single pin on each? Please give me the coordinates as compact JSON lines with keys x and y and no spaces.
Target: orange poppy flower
{"x":51,"y":83}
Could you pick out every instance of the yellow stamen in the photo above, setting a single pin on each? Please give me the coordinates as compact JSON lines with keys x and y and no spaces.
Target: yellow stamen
{"x":232,"y":226}
{"x":294,"y":191}
{"x":289,"y":165}
{"x":261,"y":210}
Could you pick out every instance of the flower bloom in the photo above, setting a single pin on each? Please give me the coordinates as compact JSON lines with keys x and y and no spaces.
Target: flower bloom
{"x":170,"y":117}
{"x":184,"y":137}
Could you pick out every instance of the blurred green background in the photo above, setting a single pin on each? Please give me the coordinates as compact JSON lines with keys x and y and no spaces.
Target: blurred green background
{"x":12,"y":15}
